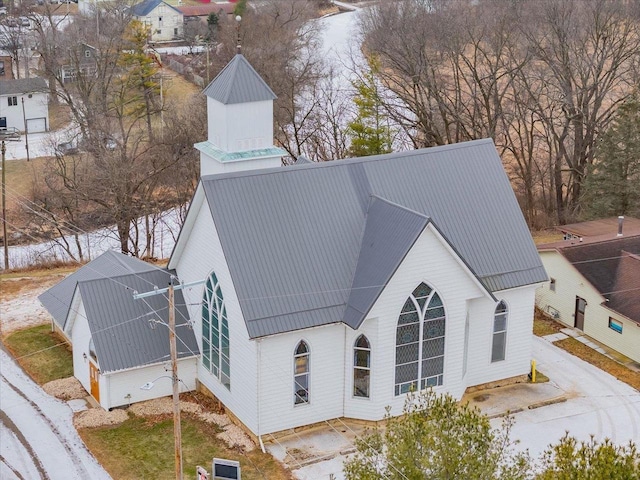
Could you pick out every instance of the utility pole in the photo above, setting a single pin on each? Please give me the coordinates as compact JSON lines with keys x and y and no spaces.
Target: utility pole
{"x":11,"y":135}
{"x":177,"y":430}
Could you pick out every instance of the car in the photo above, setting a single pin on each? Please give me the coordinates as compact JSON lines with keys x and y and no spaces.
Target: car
{"x":3,"y":10}
{"x":67,"y":148}
{"x":24,"y":22}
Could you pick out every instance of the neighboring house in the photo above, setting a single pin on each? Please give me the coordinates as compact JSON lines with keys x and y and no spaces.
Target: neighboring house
{"x":201,"y":12}
{"x":82,"y":60}
{"x":594,"y":282}
{"x":119,"y":343}
{"x":6,"y":67}
{"x":24,"y":104}
{"x":333,"y":289}
{"x":164,"y":21}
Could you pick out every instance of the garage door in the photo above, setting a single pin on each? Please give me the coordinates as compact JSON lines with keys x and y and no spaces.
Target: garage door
{"x":35,"y":125}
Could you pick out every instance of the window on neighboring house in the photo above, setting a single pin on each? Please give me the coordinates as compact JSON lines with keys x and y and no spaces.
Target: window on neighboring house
{"x":361,"y":367}
{"x":87,"y":53}
{"x":175,"y":31}
{"x":158,"y":32}
{"x":215,"y":332}
{"x":13,"y":101}
{"x":301,"y":373}
{"x":499,"y":344}
{"x":420,"y":339}
{"x":552,"y":284}
{"x":615,"y":325}
{"x":1,"y":68}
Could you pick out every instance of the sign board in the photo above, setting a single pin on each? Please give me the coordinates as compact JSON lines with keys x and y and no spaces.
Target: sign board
{"x":225,"y":469}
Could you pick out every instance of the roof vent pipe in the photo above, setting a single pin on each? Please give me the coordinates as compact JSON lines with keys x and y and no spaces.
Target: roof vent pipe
{"x":620,"y":222}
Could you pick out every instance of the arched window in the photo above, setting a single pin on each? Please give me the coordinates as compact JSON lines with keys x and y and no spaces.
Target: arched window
{"x":361,"y":367}
{"x":499,"y":344}
{"x":301,"y":373}
{"x":215,"y":332}
{"x":92,"y":351}
{"x":420,"y":341}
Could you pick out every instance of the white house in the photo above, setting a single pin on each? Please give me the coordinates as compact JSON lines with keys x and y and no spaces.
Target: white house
{"x":164,"y":21}
{"x":24,"y":104}
{"x":120,"y":344}
{"x":594,"y":278}
{"x":331,"y":290}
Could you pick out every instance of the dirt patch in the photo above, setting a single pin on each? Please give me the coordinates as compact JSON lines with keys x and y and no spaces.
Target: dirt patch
{"x":65,"y":389}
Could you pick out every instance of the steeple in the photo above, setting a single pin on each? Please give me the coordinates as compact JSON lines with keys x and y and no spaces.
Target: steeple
{"x":240,"y":121}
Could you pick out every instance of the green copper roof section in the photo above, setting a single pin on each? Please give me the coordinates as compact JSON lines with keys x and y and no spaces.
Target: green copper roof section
{"x":209,"y":149}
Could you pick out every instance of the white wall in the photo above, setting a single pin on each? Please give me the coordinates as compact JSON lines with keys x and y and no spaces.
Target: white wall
{"x":35,"y":107}
{"x":569,"y":283}
{"x":240,"y":126}
{"x":80,"y":336}
{"x":123,"y":388}
{"x":202,"y":255}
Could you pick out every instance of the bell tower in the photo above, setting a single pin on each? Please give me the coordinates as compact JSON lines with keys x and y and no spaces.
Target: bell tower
{"x":240,"y":122}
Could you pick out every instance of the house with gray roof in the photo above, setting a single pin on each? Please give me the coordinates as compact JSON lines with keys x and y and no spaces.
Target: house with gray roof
{"x":119,"y":343}
{"x":594,"y":283}
{"x":165,"y":22}
{"x":24,"y":104}
{"x":331,"y":290}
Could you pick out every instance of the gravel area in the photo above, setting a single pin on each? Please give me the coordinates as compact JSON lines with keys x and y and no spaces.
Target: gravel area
{"x":97,"y":417}
{"x":65,"y":389}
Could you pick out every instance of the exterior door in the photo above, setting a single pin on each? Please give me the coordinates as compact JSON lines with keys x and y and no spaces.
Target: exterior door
{"x":94,"y":380}
{"x":581,"y":305}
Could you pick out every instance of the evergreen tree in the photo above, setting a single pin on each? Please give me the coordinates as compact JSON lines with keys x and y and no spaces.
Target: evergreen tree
{"x":240,"y":7}
{"x":369,"y":132}
{"x":613,"y":184}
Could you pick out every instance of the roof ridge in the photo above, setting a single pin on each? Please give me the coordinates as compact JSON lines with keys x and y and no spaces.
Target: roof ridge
{"x":348,"y":161}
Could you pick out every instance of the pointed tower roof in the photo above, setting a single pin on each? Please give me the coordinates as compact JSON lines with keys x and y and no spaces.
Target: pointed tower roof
{"x":238,"y":82}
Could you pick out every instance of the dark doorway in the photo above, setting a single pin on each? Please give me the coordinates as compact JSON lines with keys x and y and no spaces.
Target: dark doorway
{"x":581,"y":305}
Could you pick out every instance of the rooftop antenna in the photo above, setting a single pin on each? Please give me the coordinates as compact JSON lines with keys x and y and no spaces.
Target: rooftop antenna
{"x":238,"y":46}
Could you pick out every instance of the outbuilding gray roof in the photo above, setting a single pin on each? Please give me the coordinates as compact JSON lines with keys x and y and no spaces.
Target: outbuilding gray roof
{"x":57,"y":299}
{"x":130,"y":333}
{"x":312,"y":244}
{"x":238,"y":82}
{"x":23,"y":85}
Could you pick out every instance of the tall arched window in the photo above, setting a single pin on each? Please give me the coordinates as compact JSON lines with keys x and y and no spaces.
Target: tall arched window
{"x":420,"y":341}
{"x":361,"y":367}
{"x":215,"y":332}
{"x":301,"y":373}
{"x":499,"y":344}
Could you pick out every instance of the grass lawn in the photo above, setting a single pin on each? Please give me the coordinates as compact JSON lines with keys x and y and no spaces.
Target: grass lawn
{"x":143,"y":448}
{"x":604,"y":363}
{"x":543,"y":325}
{"x":43,"y":354}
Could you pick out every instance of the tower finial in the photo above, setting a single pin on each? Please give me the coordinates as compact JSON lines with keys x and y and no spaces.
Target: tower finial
{"x":238,"y":46}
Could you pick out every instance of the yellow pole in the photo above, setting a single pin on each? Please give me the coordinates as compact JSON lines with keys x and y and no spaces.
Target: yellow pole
{"x":533,"y":371}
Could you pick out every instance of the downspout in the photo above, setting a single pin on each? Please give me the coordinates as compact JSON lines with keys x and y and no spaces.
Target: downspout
{"x":344,"y":371}
{"x":259,"y":363}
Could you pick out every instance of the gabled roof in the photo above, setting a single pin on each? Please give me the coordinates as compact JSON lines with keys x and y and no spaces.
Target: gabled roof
{"x":238,"y":82}
{"x":126,"y":333}
{"x":143,"y":9}
{"x":389,"y":233}
{"x":611,"y":266}
{"x":23,"y":85}
{"x":57,"y":299}
{"x":293,"y":236}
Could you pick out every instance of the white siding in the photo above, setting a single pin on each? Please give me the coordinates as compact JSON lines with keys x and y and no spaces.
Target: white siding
{"x":124,"y":387}
{"x":35,"y":107}
{"x":163,"y":22}
{"x":203,"y":254}
{"x":569,"y":283}
{"x":241,"y":126}
{"x":327,"y":381}
{"x":80,"y":337}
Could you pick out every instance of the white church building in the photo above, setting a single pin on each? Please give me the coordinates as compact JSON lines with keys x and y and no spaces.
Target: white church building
{"x":331,"y":290}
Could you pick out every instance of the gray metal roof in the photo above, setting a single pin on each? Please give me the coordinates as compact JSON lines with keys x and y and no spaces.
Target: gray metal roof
{"x":390,"y":231}
{"x":143,"y":9}
{"x":23,"y":85}
{"x":293,"y":236}
{"x":125,"y":331}
{"x":57,"y":299}
{"x":238,"y":82}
